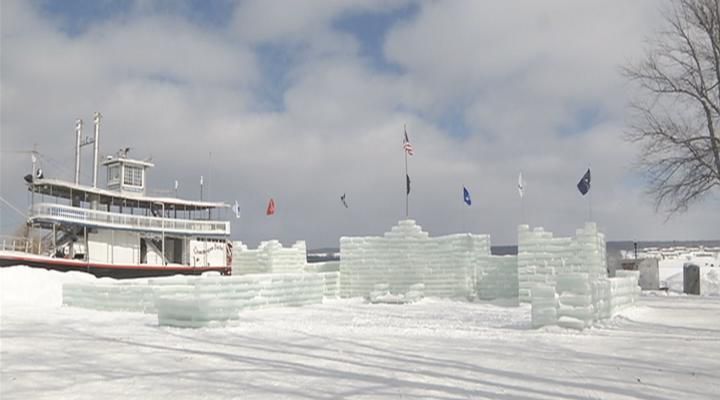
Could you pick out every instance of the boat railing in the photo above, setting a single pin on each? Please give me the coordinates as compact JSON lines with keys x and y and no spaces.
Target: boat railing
{"x":86,"y":216}
{"x":21,"y":244}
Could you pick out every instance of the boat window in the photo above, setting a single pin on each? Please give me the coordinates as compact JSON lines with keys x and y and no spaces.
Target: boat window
{"x":113,"y":173}
{"x":133,"y":176}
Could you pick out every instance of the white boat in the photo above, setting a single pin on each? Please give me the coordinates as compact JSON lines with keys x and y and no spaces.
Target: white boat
{"x":117,"y":231}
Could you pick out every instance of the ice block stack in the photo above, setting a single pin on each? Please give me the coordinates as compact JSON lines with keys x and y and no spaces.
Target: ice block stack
{"x":624,"y":289}
{"x":544,"y":306}
{"x":575,"y":301}
{"x":602,"y":298}
{"x":331,"y":284}
{"x":396,"y":259}
{"x":452,"y":263}
{"x":497,"y":279}
{"x":269,"y":257}
{"x":407,"y":256}
{"x":589,"y":253}
{"x":110,"y":295}
{"x":582,"y":300}
{"x":540,"y":256}
{"x":203,"y":301}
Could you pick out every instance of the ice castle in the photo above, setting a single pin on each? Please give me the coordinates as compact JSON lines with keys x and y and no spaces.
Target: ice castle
{"x":564,"y":278}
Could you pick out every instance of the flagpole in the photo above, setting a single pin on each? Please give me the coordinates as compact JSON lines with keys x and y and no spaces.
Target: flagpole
{"x":521,"y":192}
{"x":590,"y":203}
{"x":590,"y":207}
{"x":407,"y":195}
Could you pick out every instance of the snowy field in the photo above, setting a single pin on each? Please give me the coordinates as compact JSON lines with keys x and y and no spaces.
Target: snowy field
{"x":666,"y":348}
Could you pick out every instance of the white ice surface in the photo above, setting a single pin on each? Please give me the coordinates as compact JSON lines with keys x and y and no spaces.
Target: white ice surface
{"x":666,"y":348}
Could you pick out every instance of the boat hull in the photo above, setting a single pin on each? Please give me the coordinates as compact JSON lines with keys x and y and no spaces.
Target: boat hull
{"x":106,"y":270}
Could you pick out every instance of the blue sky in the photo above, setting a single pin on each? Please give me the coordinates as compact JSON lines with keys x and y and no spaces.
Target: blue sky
{"x":305,"y":100}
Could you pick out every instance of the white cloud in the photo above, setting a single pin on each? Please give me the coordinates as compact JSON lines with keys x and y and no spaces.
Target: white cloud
{"x":187,"y":95}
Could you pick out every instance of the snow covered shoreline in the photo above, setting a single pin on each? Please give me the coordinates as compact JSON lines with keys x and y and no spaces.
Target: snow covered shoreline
{"x":665,"y":348}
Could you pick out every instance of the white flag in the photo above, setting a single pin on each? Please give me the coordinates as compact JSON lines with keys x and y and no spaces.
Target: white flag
{"x":34,"y":159}
{"x":177,"y":184}
{"x":201,"y":179}
{"x":236,"y":209}
{"x":520,"y":185}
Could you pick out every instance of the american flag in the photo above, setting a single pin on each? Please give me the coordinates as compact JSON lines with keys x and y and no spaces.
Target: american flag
{"x":406,"y":144}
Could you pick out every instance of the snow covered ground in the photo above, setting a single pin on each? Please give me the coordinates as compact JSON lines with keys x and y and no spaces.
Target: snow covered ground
{"x":666,"y":348}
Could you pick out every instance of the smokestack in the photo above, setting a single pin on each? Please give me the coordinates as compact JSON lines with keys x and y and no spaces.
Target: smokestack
{"x":78,"y":138}
{"x":95,"y":148}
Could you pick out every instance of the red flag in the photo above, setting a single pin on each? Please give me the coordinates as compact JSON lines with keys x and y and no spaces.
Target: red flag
{"x":270,"y":208}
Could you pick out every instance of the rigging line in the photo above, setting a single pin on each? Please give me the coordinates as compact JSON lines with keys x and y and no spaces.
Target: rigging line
{"x":17,"y":210}
{"x":16,"y":151}
{"x":46,"y":158}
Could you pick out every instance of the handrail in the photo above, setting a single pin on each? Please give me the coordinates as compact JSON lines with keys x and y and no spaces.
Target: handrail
{"x":63,"y":213}
{"x":21,"y":244}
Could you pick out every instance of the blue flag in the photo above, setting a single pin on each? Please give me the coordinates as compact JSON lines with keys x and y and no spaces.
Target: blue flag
{"x":466,"y":196}
{"x":584,"y":184}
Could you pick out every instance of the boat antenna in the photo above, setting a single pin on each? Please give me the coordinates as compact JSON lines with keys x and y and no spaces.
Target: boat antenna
{"x":78,"y":144}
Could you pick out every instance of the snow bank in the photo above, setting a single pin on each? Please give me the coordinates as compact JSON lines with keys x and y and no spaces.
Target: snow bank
{"x":25,"y":286}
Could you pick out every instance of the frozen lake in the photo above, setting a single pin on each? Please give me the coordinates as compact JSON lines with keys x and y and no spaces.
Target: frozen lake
{"x":666,"y":348}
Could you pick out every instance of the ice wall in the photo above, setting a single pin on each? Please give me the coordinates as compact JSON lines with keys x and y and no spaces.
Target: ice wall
{"x":269,"y":257}
{"x":497,"y":279}
{"x":541,"y":256}
{"x":331,"y":284}
{"x":110,"y":295}
{"x":202,"y":300}
{"x":446,"y":266}
{"x":579,"y":300}
{"x":215,"y":300}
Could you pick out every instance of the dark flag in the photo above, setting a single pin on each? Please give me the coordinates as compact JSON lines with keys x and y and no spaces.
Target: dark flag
{"x":466,"y":196}
{"x":342,"y":198}
{"x":584,"y":184}
{"x":407,"y":177}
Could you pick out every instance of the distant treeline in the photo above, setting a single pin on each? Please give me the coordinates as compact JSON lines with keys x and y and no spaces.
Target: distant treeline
{"x":613,"y":248}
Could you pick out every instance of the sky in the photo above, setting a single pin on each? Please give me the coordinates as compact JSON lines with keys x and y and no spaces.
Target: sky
{"x":302,"y":101}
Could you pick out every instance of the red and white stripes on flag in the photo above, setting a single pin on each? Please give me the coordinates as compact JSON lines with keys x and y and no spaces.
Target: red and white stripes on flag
{"x":406,"y":144}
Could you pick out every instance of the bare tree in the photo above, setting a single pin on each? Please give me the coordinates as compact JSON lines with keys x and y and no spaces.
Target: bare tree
{"x":677,"y":115}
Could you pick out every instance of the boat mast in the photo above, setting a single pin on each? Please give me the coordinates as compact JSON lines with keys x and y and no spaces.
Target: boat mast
{"x":33,"y":158}
{"x":95,"y":148}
